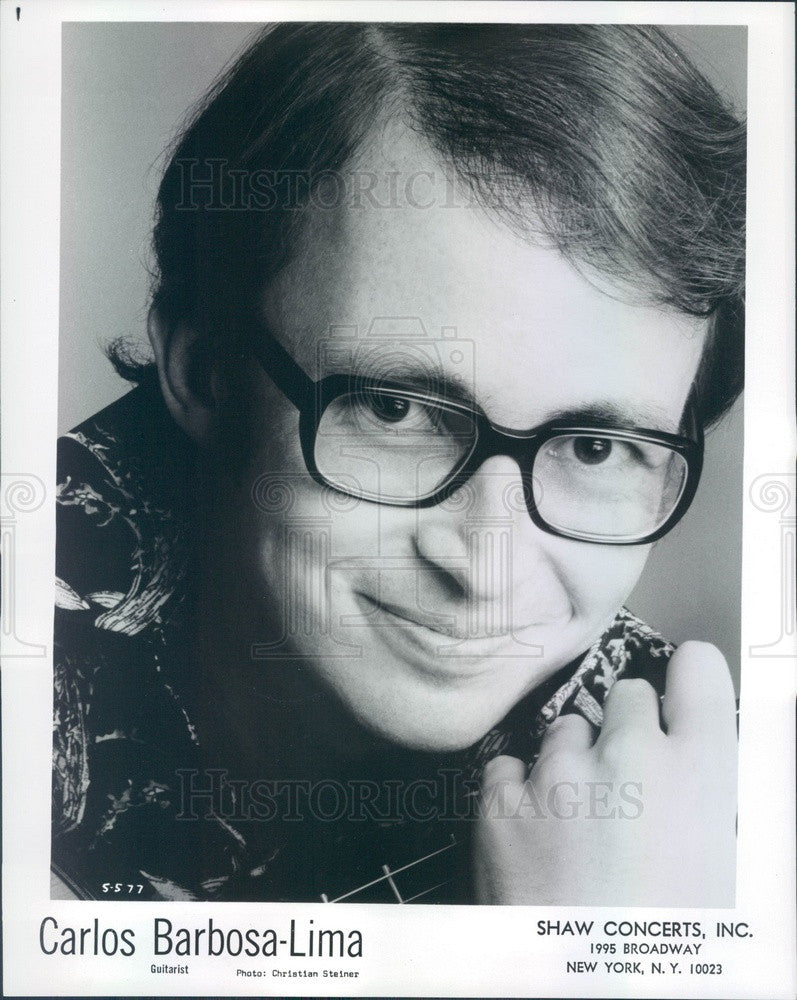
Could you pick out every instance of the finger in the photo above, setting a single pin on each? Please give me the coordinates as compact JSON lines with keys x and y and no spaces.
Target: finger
{"x":631,"y":706}
{"x":504,"y":769}
{"x":699,"y":701}
{"x":569,"y":732}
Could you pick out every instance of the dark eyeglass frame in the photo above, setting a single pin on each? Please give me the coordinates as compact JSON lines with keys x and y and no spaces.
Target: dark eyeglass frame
{"x":311,"y":398}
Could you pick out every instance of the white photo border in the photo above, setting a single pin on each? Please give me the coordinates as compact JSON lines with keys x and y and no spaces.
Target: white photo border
{"x":428,"y":951}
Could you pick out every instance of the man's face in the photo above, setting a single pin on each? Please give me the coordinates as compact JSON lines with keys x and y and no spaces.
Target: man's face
{"x":430,"y":624}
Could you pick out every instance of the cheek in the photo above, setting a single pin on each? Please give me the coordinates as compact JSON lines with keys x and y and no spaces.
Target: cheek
{"x":599,"y":578}
{"x":302,"y":536}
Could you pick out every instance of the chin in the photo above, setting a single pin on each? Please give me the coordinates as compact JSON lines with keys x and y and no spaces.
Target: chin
{"x":429,"y":731}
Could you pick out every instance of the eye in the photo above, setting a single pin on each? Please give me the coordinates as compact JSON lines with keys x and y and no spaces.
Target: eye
{"x":582,"y":451}
{"x":592,"y":451}
{"x":391,"y":409}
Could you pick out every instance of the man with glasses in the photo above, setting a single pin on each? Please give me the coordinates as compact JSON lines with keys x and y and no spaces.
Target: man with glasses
{"x":412,"y":457}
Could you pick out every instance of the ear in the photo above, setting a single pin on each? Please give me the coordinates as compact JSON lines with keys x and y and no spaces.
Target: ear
{"x":189,"y":380}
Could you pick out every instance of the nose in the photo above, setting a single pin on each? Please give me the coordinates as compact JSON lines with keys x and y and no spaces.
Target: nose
{"x":497,"y":494}
{"x":482,"y":540}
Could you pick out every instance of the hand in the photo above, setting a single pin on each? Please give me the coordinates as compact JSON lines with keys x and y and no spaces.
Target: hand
{"x":636,"y":817}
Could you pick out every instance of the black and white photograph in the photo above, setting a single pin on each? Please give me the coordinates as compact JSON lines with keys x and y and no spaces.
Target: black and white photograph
{"x":440,"y":317}
{"x":399,"y":476}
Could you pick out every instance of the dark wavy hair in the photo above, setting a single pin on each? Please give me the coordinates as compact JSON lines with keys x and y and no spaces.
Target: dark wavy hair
{"x":604,"y":138}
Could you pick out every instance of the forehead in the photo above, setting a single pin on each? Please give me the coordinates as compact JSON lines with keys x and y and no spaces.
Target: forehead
{"x":416,"y":274}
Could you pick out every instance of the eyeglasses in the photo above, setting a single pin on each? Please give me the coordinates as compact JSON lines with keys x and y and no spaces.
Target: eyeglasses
{"x":380,"y":441}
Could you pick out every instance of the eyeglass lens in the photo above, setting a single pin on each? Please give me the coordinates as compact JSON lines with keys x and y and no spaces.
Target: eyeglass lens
{"x":386,"y":446}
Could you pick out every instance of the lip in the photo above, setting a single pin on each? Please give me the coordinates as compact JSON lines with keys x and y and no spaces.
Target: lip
{"x":445,"y":650}
{"x":448,"y":631}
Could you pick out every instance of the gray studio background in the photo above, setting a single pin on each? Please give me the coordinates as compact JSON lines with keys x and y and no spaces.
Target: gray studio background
{"x":126,"y":88}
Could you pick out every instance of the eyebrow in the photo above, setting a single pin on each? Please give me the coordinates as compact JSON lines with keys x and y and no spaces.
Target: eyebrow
{"x":454,"y":388}
{"x":613,"y":414}
{"x":429,"y":379}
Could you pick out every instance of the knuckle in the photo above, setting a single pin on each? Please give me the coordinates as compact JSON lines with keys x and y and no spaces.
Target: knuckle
{"x":631,"y":687}
{"x":559,"y":725}
{"x":501,"y":801}
{"x":502,"y":770}
{"x":561,"y":761}
{"x":619,"y":751}
{"x":698,"y":646}
{"x":705,"y":652}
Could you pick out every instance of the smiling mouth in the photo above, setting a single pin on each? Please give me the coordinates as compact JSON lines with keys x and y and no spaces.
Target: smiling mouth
{"x":447,"y":630}
{"x":405,"y":619}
